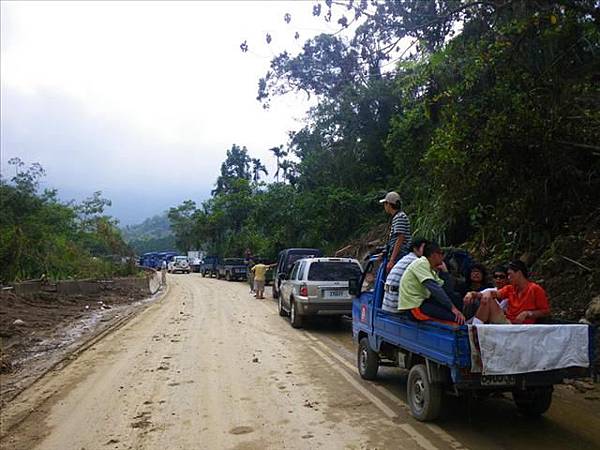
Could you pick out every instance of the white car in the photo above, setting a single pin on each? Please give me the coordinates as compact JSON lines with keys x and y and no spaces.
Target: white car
{"x":318,"y":286}
{"x":179,"y":264}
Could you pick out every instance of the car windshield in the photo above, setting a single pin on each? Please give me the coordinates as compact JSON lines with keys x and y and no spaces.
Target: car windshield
{"x":180,"y":258}
{"x":234,"y":261}
{"x":333,"y":271}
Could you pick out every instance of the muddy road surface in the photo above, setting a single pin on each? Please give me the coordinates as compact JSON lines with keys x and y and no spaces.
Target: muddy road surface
{"x":210,"y":367}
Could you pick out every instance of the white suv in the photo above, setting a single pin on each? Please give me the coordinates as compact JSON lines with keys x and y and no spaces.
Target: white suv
{"x":179,"y":264}
{"x":318,"y":286}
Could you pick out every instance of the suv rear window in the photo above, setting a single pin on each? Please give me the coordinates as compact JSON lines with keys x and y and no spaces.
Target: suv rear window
{"x":333,"y":271}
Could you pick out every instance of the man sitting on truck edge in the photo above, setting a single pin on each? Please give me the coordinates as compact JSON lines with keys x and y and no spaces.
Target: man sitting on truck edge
{"x":398,"y":244}
{"x":527,"y":301}
{"x":392,"y":282}
{"x":421,"y":291}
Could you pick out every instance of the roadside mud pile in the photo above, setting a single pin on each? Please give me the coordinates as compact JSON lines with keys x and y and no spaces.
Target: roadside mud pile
{"x":37,"y":330}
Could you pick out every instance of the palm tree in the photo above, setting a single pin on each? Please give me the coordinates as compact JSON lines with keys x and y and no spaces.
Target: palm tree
{"x":279,"y":153}
{"x":289,"y":170}
{"x":257,"y":168}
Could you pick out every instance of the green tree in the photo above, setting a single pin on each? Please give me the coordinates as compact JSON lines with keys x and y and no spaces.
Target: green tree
{"x":257,"y":168}
{"x":39,"y":235}
{"x":235,"y":166}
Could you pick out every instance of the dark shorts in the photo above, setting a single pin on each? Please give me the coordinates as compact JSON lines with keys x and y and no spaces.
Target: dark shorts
{"x":433,"y":309}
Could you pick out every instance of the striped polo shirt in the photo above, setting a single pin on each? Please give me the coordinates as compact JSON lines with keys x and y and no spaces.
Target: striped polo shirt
{"x":400,"y":225}
{"x":390,"y":296}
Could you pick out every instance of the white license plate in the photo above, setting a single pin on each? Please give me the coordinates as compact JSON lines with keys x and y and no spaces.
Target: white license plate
{"x":335,"y":294}
{"x":498,"y":380}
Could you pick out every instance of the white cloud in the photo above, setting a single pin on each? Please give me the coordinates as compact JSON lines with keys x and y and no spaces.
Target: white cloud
{"x":163,"y":83}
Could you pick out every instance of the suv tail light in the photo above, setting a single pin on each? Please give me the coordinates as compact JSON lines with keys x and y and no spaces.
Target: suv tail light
{"x":303,"y":291}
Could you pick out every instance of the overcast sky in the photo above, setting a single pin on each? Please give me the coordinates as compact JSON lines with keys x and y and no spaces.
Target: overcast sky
{"x":141,"y":100}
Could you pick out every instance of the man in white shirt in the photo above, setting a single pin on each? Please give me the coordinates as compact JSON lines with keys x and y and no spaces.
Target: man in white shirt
{"x":392,"y":282}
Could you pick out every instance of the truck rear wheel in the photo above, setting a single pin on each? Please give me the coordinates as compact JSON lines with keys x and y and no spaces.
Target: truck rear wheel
{"x":424,"y":398}
{"x":368,"y":360}
{"x":533,"y":402}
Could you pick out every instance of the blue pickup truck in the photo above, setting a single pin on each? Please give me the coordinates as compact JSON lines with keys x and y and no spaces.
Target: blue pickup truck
{"x":440,"y":359}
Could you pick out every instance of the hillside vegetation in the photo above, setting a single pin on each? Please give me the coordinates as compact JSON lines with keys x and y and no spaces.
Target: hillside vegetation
{"x":153,"y":234}
{"x":483,"y":115}
{"x":42,"y":236}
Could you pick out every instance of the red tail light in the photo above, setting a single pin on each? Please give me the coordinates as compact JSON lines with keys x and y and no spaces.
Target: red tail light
{"x":303,"y":291}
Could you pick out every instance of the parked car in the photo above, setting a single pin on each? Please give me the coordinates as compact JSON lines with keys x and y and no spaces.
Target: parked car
{"x":286,"y":260}
{"x":179,"y":264}
{"x":440,"y":357}
{"x":232,"y":269}
{"x":208,"y":267}
{"x":318,"y":286}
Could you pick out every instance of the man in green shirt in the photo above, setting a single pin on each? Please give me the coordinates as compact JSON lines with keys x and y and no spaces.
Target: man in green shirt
{"x":421,"y":290}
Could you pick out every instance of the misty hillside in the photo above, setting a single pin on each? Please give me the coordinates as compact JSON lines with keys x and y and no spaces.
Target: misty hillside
{"x":153,"y":234}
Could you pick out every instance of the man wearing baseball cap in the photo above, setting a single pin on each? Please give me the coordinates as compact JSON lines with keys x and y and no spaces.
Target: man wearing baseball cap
{"x":398,"y":244}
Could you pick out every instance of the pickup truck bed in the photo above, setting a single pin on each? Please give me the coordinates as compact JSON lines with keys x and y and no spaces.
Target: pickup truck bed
{"x":439,"y":357}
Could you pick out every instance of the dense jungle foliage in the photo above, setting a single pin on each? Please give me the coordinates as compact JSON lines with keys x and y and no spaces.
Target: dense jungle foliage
{"x":41,"y":236}
{"x":484,"y":115}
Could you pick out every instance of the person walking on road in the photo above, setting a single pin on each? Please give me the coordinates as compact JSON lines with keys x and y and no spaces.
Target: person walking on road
{"x":163,"y":273}
{"x":260,"y":270}
{"x":398,"y":244}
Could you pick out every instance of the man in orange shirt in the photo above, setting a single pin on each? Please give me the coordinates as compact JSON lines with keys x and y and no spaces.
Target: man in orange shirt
{"x":527,"y":301}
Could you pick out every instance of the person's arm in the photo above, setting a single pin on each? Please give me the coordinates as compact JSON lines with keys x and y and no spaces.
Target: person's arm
{"x":448,"y":281}
{"x":541,"y":304}
{"x":440,"y":297}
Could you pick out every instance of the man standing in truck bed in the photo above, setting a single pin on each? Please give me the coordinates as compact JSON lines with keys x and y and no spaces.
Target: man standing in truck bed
{"x":398,"y":244}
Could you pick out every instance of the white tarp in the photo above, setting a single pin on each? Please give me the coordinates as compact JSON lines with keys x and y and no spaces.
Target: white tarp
{"x":512,"y":349}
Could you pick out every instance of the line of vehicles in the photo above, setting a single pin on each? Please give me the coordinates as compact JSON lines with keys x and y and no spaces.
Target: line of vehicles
{"x":441,"y":359}
{"x":175,"y":262}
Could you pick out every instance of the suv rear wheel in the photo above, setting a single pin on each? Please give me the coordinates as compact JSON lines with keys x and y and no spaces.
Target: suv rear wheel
{"x":295,"y":318}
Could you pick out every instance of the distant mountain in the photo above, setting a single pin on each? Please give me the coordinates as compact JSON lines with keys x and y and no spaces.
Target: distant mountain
{"x":153,"y":234}
{"x":153,"y":227}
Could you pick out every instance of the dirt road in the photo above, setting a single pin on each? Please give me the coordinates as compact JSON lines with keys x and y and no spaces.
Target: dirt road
{"x":210,"y":367}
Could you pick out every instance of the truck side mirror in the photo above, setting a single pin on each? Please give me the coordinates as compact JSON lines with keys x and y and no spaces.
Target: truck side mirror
{"x":354,"y":287}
